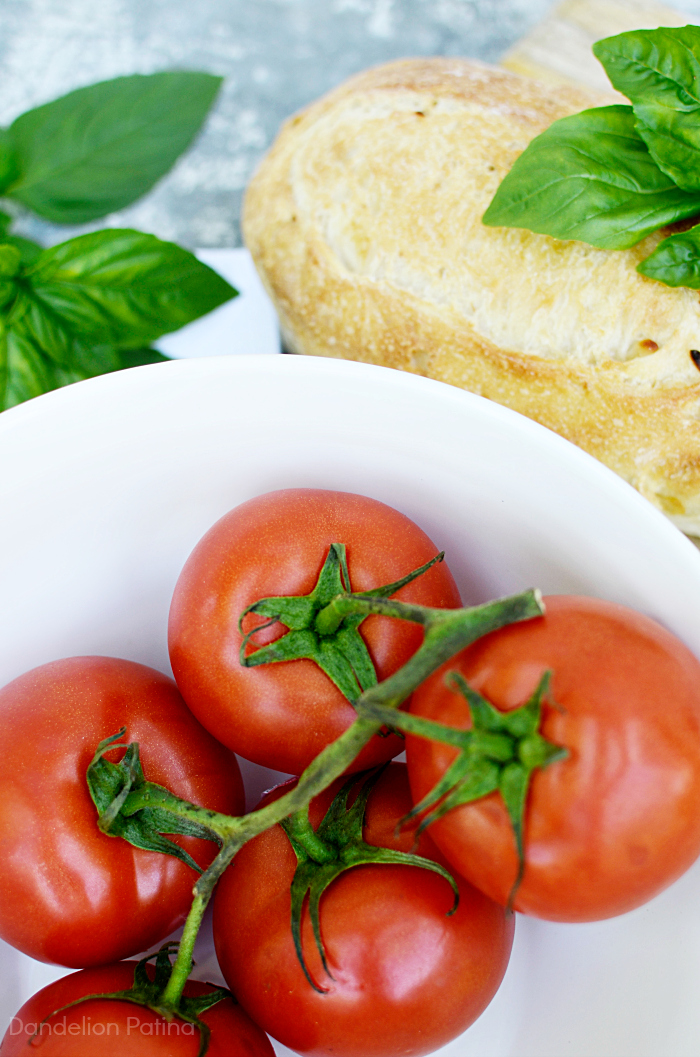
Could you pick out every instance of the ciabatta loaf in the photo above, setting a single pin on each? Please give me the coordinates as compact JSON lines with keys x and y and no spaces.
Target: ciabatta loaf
{"x":364,"y":221}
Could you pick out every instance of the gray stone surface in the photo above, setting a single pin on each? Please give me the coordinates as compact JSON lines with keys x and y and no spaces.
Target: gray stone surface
{"x":276,"y":55}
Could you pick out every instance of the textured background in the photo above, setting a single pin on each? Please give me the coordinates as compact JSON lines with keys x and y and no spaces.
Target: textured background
{"x":276,"y":55}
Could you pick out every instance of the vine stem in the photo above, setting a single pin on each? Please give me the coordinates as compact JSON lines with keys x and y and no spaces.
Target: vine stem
{"x":447,"y":631}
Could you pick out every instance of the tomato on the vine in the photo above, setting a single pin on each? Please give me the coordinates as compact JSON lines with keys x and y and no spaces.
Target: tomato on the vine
{"x":282,"y":715}
{"x":114,"y":1028}
{"x":69,"y":893}
{"x":615,"y":822}
{"x":405,"y":976}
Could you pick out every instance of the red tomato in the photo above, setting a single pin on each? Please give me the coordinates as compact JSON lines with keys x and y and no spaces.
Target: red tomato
{"x":110,"y":1028}
{"x":618,"y":820}
{"x":407,"y":978}
{"x":281,"y":715}
{"x":68,"y":893}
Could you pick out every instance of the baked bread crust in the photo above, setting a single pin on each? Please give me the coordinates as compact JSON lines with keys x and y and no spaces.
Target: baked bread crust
{"x":364,"y":221}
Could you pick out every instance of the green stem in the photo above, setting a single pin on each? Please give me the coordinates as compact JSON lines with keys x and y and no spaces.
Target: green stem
{"x":183,"y":962}
{"x":331,"y":616}
{"x":150,"y":795}
{"x":447,"y":631}
{"x":300,"y":830}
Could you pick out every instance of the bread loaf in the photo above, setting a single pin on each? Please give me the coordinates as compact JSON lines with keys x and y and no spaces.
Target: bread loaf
{"x":364,"y":221}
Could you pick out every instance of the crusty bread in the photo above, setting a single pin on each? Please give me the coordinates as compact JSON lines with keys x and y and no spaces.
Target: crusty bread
{"x":364,"y":221}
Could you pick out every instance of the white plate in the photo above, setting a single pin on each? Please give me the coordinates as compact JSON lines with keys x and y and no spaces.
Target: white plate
{"x":106,"y":486}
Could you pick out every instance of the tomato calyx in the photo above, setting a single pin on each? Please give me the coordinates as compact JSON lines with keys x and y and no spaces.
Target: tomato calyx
{"x":141,"y":812}
{"x":124,"y":794}
{"x":150,"y":993}
{"x":335,"y":846}
{"x":318,"y":631}
{"x":497,"y":754}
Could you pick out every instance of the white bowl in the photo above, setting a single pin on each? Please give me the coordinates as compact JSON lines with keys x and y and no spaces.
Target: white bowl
{"x":106,"y":486}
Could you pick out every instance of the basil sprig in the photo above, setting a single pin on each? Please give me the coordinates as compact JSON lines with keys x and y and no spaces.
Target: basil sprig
{"x":590,"y":177}
{"x":659,"y":72}
{"x":95,"y":303}
{"x":100,"y":148}
{"x":612,"y":175}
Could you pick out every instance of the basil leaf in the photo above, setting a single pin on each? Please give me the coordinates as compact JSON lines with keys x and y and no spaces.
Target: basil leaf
{"x":10,"y":261}
{"x":28,"y":249}
{"x":92,"y":305}
{"x":99,"y":148}
{"x":29,"y":368}
{"x":10,"y":266}
{"x":123,"y":288}
{"x":24,"y":371}
{"x":659,"y":71}
{"x":590,"y":177}
{"x":676,"y":260}
{"x":8,"y":162}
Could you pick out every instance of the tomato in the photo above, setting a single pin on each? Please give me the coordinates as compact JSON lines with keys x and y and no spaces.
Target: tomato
{"x":68,"y":893}
{"x":282,"y":715}
{"x":111,"y":1028}
{"x":406,"y":977}
{"x":618,"y":820}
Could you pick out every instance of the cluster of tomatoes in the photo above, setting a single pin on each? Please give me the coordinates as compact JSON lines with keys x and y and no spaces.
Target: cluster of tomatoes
{"x":607,"y":825}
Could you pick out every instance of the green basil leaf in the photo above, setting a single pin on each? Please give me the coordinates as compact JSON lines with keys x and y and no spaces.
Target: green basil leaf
{"x":676,"y":260}
{"x":93,"y":305}
{"x":34,"y":360}
{"x":123,"y":288}
{"x":10,"y":267}
{"x":659,"y":71}
{"x":590,"y":177}
{"x":10,"y":261}
{"x":24,"y":370}
{"x":29,"y":250}
{"x":9,"y":167}
{"x":99,"y":148}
